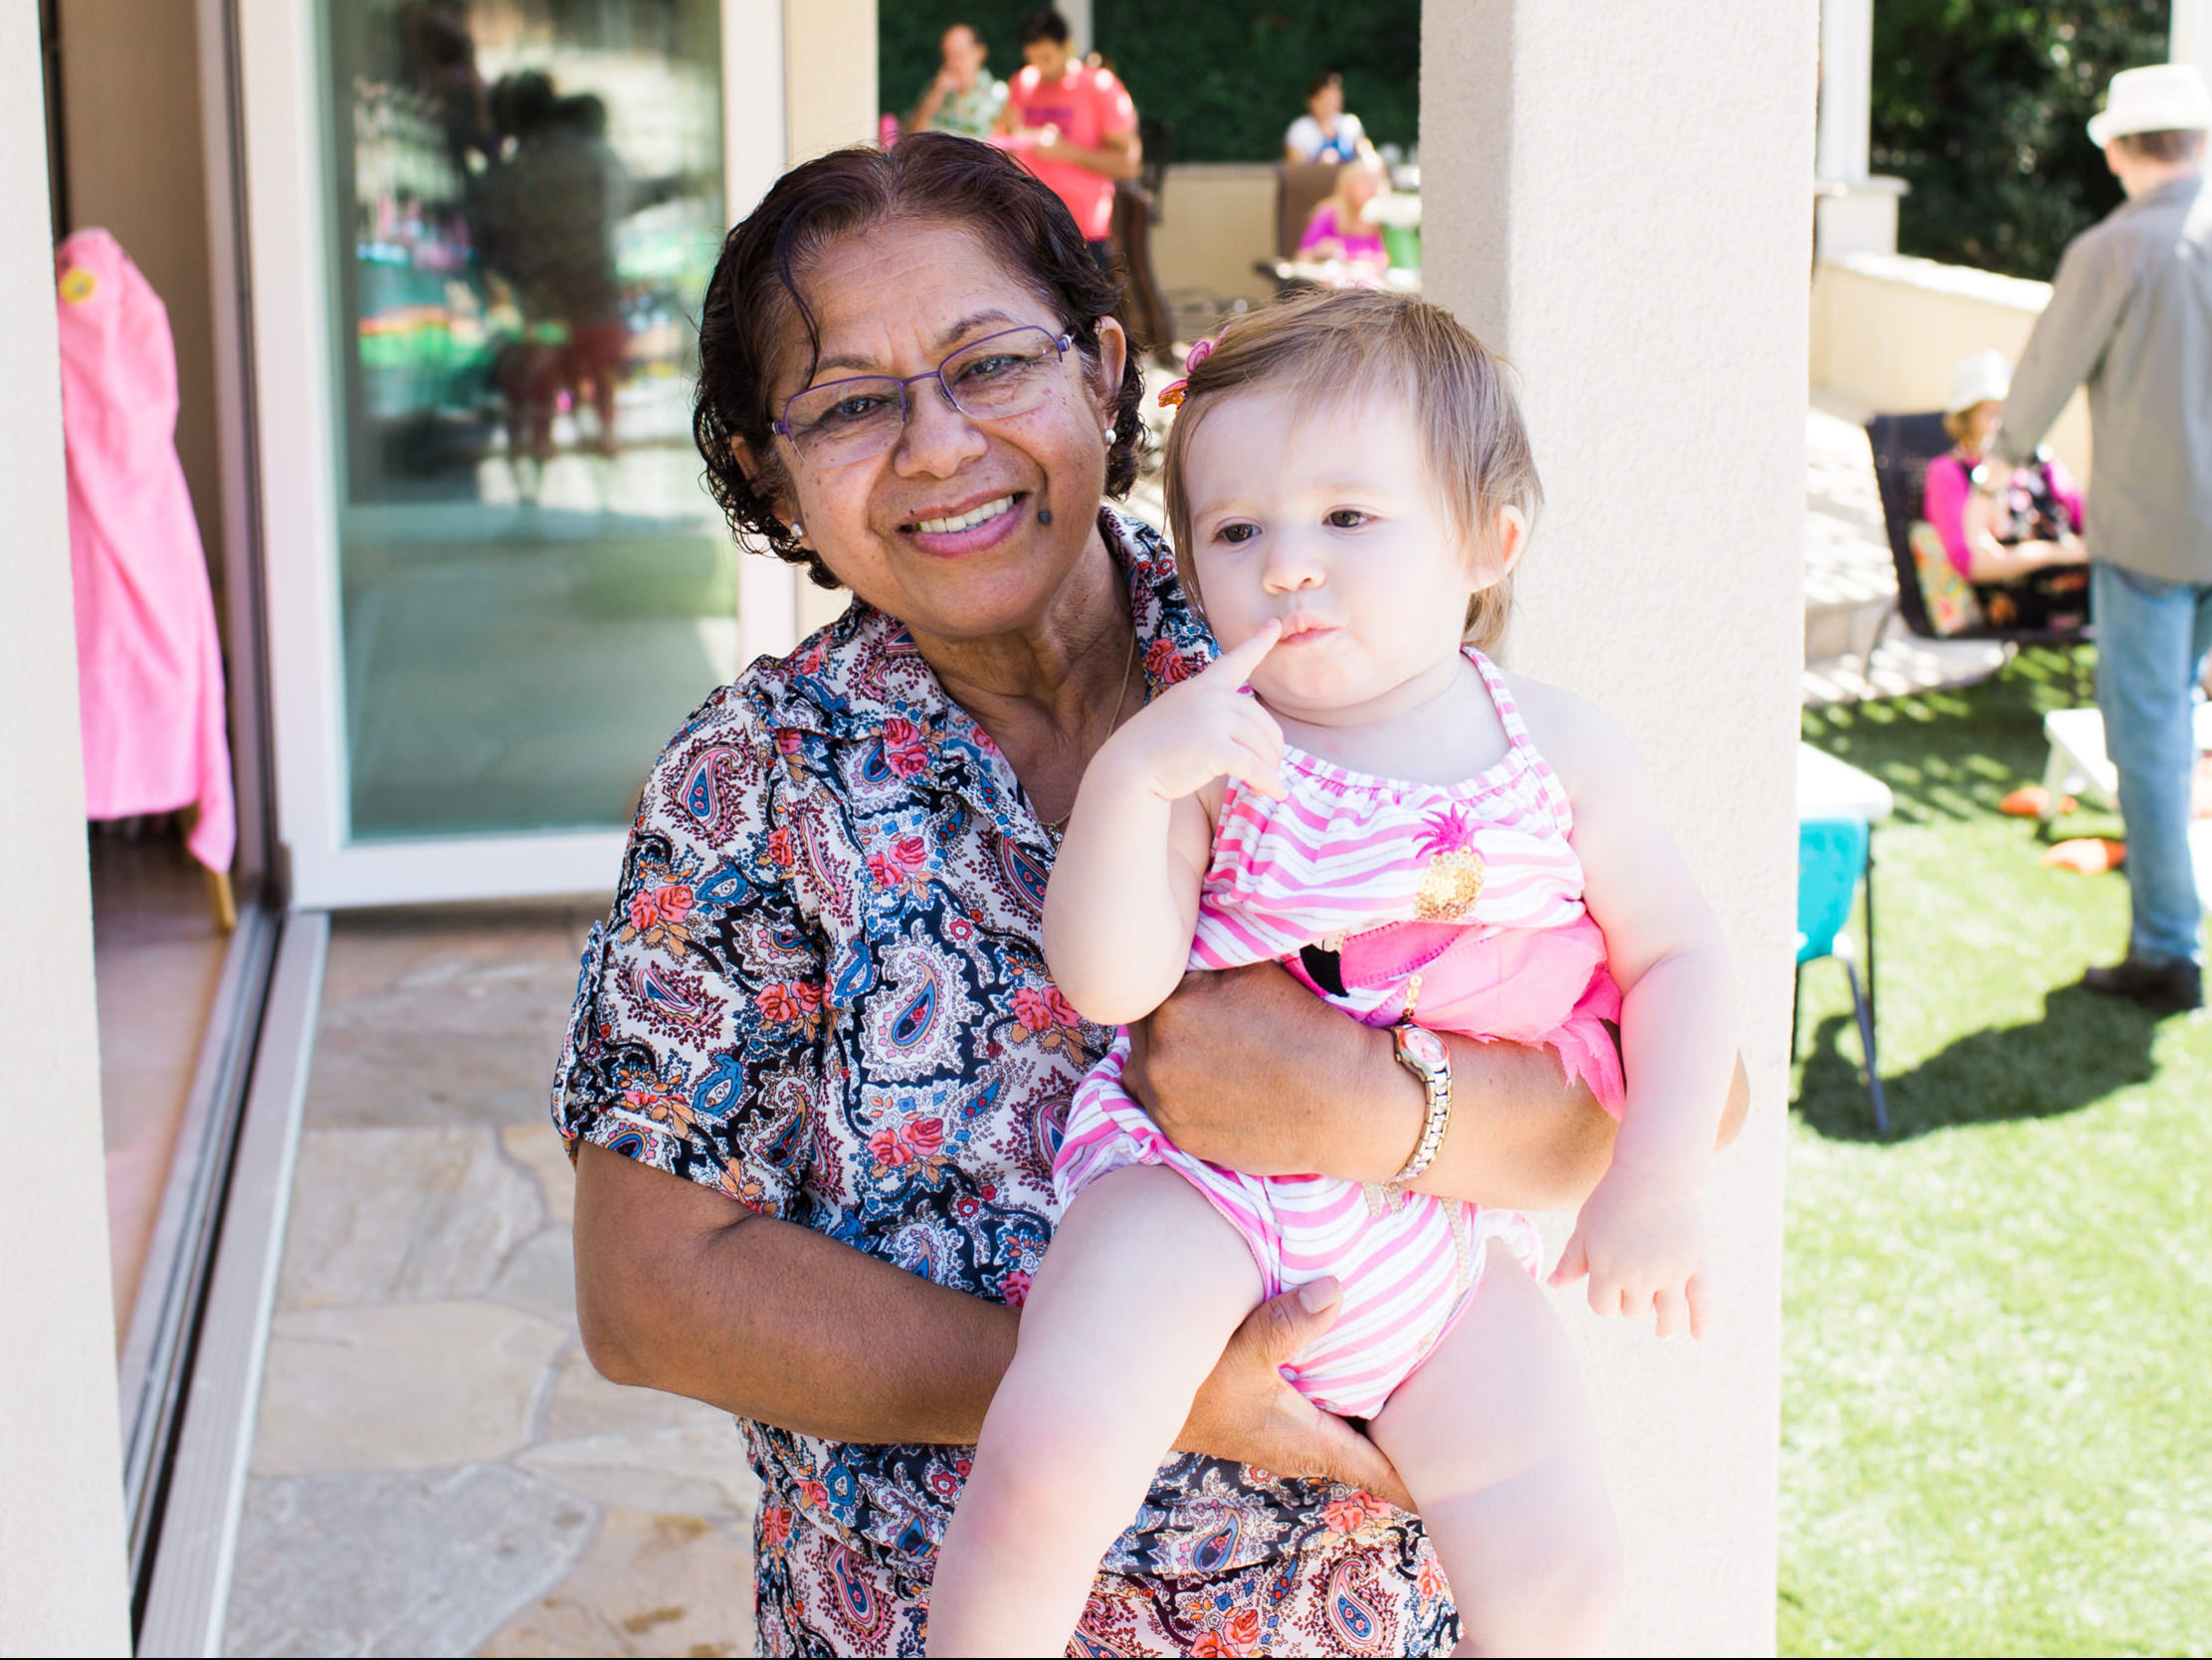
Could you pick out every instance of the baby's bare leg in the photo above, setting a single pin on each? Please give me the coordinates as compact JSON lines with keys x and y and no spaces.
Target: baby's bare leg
{"x":1495,"y":1440}
{"x":1134,"y":1303}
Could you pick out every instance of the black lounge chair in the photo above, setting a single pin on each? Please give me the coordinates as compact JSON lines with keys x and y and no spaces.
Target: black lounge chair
{"x":1903,"y":447}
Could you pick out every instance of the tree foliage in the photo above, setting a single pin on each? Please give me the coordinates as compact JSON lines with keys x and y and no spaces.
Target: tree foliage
{"x":1231,"y":76}
{"x":1980,"y":105}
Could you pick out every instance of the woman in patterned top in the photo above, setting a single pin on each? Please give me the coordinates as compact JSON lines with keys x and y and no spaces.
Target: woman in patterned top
{"x":821,"y":995}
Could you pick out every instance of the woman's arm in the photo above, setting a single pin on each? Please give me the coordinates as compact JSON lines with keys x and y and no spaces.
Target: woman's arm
{"x":1250,"y":1070}
{"x":1990,"y":560}
{"x":1943,"y":498}
{"x":1641,"y":1236}
{"x":681,"y":1289}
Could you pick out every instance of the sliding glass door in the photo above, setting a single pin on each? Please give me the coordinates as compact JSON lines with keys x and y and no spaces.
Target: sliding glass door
{"x":508,"y":586}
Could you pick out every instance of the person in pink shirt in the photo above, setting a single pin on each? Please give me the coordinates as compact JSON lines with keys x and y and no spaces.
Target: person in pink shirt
{"x":2015,"y":533}
{"x":1072,"y":125}
{"x":1337,"y":231}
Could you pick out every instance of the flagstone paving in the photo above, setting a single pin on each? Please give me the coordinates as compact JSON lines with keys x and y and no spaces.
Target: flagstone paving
{"x":437,"y":1469}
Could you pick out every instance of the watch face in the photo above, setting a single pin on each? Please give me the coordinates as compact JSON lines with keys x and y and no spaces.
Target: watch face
{"x":1422,"y":1047}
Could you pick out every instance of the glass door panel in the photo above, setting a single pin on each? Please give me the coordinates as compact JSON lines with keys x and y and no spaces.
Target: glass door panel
{"x":534,"y":588}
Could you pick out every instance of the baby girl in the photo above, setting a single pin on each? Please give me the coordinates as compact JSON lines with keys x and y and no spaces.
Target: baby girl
{"x":1431,"y":844}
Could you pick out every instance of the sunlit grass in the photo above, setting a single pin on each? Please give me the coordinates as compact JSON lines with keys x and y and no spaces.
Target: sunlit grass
{"x":1997,"y":1376}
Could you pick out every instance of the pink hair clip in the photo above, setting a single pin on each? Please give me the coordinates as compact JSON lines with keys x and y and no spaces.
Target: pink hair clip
{"x":1176,"y":391}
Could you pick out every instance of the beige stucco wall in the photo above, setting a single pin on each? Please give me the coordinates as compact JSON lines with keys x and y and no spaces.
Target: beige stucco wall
{"x":131,"y":106}
{"x":1617,"y":200}
{"x":61,"y":1469}
{"x":1216,"y":219}
{"x":829,"y":69}
{"x":1889,"y":329}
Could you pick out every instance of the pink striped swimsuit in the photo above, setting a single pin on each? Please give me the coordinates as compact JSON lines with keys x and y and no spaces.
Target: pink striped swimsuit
{"x":1459,"y":905}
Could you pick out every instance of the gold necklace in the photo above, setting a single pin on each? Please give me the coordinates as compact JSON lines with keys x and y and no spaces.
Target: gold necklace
{"x":1053,"y":827}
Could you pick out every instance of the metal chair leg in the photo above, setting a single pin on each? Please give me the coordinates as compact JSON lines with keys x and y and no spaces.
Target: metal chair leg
{"x":1864,"y":1012}
{"x":1867,"y":882}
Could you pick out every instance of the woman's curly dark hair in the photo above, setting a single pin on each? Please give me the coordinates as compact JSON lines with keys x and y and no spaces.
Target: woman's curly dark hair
{"x":744,"y":330}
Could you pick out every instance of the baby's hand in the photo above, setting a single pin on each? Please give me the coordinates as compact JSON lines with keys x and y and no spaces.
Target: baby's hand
{"x":1204,"y":729}
{"x":1642,"y":1241}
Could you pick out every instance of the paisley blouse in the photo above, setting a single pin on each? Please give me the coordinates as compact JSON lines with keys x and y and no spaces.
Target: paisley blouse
{"x":822,"y":993}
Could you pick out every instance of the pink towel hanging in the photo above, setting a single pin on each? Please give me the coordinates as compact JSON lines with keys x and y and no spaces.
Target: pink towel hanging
{"x":149,"y":666}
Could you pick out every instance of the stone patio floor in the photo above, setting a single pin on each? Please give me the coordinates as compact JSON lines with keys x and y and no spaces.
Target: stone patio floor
{"x":437,"y":1469}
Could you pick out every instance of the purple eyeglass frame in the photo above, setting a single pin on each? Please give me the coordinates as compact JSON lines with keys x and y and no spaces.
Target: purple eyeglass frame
{"x":782,"y":425}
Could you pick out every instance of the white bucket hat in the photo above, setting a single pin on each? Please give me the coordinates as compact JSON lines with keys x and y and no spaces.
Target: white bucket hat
{"x":2160,"y":98}
{"x":1984,"y":377}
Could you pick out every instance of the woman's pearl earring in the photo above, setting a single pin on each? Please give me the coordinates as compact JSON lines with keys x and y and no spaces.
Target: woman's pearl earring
{"x":1111,"y":433}
{"x":798,"y":530}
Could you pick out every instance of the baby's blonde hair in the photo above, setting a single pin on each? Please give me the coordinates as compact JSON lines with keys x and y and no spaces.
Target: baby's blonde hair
{"x":1333,"y":347}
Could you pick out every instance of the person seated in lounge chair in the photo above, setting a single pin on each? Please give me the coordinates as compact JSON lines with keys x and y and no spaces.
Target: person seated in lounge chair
{"x":2013,"y":534}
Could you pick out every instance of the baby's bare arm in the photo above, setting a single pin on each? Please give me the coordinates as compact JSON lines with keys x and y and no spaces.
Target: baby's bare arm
{"x":1642,"y":1231}
{"x":1123,"y":897}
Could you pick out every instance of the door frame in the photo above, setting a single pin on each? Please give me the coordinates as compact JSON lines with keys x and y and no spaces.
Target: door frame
{"x":286,"y":134}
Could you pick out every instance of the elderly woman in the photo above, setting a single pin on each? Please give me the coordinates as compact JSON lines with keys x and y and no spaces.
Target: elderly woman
{"x":2013,"y":535}
{"x":817,"y":1072}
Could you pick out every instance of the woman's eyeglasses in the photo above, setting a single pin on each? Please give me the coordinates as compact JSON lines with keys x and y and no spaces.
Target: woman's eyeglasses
{"x":844,"y":421}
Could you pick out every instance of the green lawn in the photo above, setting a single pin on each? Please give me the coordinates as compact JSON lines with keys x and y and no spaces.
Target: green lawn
{"x":1997,"y":1365}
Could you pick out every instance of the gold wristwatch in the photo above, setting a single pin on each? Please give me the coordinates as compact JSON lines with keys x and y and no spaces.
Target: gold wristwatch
{"x":1422,"y":1053}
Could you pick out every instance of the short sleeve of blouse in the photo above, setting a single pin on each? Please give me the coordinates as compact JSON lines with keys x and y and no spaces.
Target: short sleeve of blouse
{"x":696,"y":1042}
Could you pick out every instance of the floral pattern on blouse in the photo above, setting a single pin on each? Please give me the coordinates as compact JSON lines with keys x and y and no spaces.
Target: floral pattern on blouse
{"x":822,"y":993}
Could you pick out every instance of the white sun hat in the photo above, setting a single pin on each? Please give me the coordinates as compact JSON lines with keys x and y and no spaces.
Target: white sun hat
{"x":2159,"y":98}
{"x":1984,"y":377}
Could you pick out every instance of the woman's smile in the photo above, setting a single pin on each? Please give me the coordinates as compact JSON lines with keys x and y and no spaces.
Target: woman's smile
{"x":951,"y":531}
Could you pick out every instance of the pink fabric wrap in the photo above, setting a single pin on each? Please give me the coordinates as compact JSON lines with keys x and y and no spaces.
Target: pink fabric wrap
{"x":149,"y":665}
{"x":1544,"y":988}
{"x":1362,"y":243}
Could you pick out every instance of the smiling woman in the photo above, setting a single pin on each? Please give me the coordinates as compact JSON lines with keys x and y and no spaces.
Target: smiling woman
{"x":822,"y":996}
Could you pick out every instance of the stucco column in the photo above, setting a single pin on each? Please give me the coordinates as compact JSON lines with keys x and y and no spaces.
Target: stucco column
{"x":829,"y":76}
{"x":2192,"y":34}
{"x":1618,"y":201}
{"x":62,"y":1576}
{"x":1080,"y":34}
{"x":1847,"y":89}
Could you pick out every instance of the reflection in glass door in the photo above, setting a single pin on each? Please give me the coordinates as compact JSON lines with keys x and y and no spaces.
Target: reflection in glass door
{"x":534,"y":587}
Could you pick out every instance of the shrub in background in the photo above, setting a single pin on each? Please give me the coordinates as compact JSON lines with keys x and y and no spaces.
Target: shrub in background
{"x":1980,"y":105}
{"x":1230,"y":75}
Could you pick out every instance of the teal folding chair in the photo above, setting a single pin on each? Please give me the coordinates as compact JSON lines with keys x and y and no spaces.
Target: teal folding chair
{"x":1832,"y":856}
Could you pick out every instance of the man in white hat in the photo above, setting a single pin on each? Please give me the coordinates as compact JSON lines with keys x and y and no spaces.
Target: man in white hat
{"x":2132,"y":313}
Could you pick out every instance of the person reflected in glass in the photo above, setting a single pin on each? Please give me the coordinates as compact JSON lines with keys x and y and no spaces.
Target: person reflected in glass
{"x":963,"y":97}
{"x":549,"y":209}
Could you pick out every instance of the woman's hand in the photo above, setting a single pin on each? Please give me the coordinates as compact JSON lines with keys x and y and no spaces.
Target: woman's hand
{"x":1247,"y":1412}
